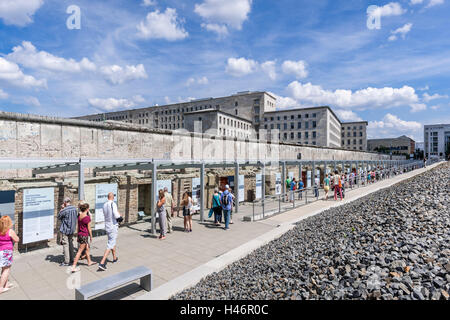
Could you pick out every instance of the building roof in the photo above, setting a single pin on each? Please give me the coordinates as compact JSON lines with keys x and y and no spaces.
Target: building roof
{"x":352,"y":122}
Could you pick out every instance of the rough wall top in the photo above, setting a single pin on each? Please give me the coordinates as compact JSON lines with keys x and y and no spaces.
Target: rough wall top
{"x":110,"y":125}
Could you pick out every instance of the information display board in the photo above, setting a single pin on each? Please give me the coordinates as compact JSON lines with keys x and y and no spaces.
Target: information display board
{"x":291,"y":175}
{"x":101,"y":196}
{"x":241,"y":188}
{"x":196,"y":191}
{"x":7,"y":206}
{"x":278,"y":183}
{"x":161,"y":184}
{"x":38,"y":214}
{"x":258,"y":191}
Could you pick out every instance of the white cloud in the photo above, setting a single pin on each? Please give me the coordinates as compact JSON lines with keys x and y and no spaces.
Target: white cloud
{"x":435,"y":107}
{"x":424,"y":88}
{"x":347,"y":115}
{"x":285,"y":102}
{"x":221,"y":30}
{"x":3,"y":94}
{"x":162,"y":26}
{"x":402,"y":31}
{"x":427,"y":98}
{"x":118,"y":75}
{"x":224,"y":13}
{"x":148,"y":3}
{"x":392,"y":126}
{"x":390,"y":9}
{"x":433,"y":3}
{"x":298,"y":68}
{"x":416,"y":107}
{"x":361,"y":99}
{"x":413,"y":2}
{"x":10,"y":72}
{"x":32,"y":101}
{"x":112,"y":104}
{"x":19,"y":12}
{"x":241,"y":67}
{"x":202,"y":81}
{"x":269,"y":68}
{"x":28,"y":56}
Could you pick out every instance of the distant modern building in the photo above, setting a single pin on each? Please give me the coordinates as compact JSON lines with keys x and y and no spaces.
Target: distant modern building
{"x":401,"y":145}
{"x":437,"y":140}
{"x":420,"y":146}
{"x":318,"y":126}
{"x":354,"y":135}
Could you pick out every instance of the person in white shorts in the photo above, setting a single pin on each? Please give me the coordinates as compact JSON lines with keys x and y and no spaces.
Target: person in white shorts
{"x":112,"y":216}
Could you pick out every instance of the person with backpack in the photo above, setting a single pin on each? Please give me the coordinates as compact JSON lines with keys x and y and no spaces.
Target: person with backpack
{"x":301,"y":185}
{"x":326,"y":186}
{"x":292,"y":186}
{"x":343,"y":186}
{"x":217,"y":208}
{"x":226,"y":200}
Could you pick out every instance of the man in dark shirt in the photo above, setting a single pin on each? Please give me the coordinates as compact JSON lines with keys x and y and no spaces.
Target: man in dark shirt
{"x":68,"y":216}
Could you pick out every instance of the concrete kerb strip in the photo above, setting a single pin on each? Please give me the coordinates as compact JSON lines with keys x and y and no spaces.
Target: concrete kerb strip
{"x":192,"y":277}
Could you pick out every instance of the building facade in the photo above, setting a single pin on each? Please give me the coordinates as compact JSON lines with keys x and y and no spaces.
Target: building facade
{"x":247,"y":105}
{"x":437,"y":140}
{"x":218,"y":123}
{"x":401,"y":145}
{"x":317,"y":126}
{"x":354,"y":135}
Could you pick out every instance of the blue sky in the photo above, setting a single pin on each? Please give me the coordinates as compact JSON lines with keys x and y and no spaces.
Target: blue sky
{"x":130,"y":54}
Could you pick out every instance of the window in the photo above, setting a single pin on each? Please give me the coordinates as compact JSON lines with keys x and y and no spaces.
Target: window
{"x":360,"y":127}
{"x":265,"y":119}
{"x":360,"y":134}
{"x":285,"y":117}
{"x":360,"y":141}
{"x":354,"y":133}
{"x":299,"y":125}
{"x":265,"y":126}
{"x":292,"y":136}
{"x":299,"y":116}
{"x":314,"y":115}
{"x":285,"y":126}
{"x":306,"y":135}
{"x":271,"y":118}
{"x":278,"y":118}
{"x":285,"y":136}
{"x":299,"y":135}
{"x":314,"y":134}
{"x":348,"y":134}
{"x":292,"y":117}
{"x":348,"y":141}
{"x":278,"y":126}
{"x":271,"y":126}
{"x":354,"y":141}
{"x":314,"y":143}
{"x":314,"y":124}
{"x":236,"y":104}
{"x":306,"y":115}
{"x":236,"y":112}
{"x":292,"y":126}
{"x":306,"y":125}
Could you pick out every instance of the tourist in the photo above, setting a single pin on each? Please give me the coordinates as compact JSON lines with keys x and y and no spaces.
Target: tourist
{"x":326,"y":186}
{"x":232,"y":203}
{"x":226,"y":200}
{"x":162,"y":213}
{"x":68,"y":216}
{"x":7,"y":239}
{"x":425,"y":161}
{"x":217,"y":208}
{"x":316,"y":186}
{"x":187,"y":206}
{"x":337,"y":185}
{"x":342,"y":185}
{"x":288,"y":186}
{"x":112,"y":219}
{"x":169,"y":205}
{"x":292,"y":187}
{"x":301,"y":185}
{"x":84,"y":236}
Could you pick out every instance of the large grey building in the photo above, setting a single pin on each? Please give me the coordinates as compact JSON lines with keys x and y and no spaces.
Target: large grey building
{"x":354,"y":135}
{"x":247,"y":105}
{"x":436,"y":140}
{"x":317,"y":126}
{"x":401,"y":145}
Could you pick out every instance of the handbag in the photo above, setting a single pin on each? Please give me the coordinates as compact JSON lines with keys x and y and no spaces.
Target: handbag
{"x":211,"y":211}
{"x":119,"y":219}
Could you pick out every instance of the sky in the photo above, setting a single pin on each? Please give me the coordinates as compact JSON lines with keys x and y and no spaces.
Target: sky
{"x":384,"y":62}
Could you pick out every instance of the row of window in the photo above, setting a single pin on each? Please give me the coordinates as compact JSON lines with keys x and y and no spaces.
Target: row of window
{"x":232,"y":133}
{"x":354,"y":128}
{"x":292,"y":125}
{"x":292,"y":117}
{"x":349,"y":134}
{"x":354,"y":141}
{"x":233,"y":123}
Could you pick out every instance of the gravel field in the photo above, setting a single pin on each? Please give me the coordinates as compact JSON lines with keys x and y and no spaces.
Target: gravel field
{"x":392,"y":244}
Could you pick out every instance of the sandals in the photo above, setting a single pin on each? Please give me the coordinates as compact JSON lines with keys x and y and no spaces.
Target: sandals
{"x":4,"y":290}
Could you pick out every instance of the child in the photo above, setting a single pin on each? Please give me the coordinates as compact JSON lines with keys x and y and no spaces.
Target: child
{"x":7,"y":239}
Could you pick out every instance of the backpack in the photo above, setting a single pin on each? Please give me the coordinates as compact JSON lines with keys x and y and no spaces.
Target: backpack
{"x":225,"y":200}
{"x":340,"y":183}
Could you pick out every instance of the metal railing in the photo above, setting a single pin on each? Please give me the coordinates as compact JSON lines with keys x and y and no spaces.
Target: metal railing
{"x":275,"y":204}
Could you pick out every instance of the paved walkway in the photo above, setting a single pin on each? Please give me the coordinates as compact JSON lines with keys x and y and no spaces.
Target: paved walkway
{"x":182,"y":257}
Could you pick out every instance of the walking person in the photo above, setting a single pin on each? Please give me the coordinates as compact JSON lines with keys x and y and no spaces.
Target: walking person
{"x":226,"y":200}
{"x":187,"y":206}
{"x":169,"y":205}
{"x":217,"y":208}
{"x":292,"y":186}
{"x":343,"y":186}
{"x":68,"y":216}
{"x":326,"y":186}
{"x":337,"y":185}
{"x":316,"y":186}
{"x":162,"y":214}
{"x":84,"y":236}
{"x":288,"y":185}
{"x":112,"y":219}
{"x":232,"y":204}
{"x":301,"y":185}
{"x":7,"y":239}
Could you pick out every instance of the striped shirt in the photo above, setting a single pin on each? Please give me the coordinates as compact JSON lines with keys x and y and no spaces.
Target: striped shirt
{"x":68,"y":217}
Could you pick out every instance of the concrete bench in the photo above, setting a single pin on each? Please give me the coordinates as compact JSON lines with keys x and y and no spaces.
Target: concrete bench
{"x":98,"y":287}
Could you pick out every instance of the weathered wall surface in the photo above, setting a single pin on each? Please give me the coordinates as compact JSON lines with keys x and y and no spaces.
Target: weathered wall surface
{"x":26,"y":136}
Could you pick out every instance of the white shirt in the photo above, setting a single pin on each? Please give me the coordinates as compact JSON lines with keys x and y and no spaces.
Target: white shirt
{"x":111,"y":214}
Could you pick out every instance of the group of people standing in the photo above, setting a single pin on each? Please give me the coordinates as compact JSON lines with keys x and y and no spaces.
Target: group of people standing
{"x":222,"y":206}
{"x":70,"y":217}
